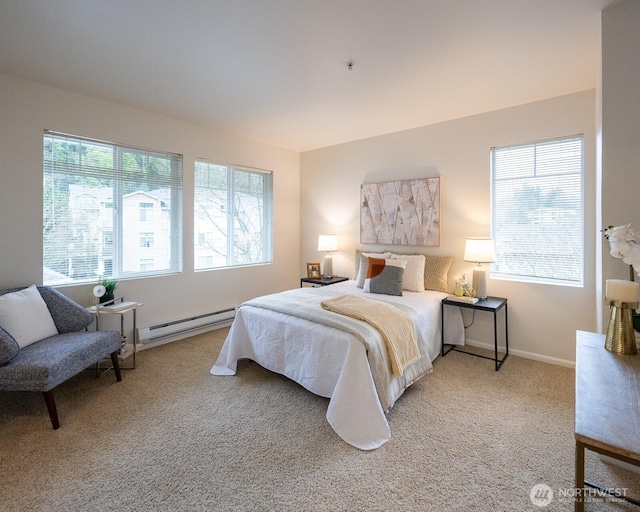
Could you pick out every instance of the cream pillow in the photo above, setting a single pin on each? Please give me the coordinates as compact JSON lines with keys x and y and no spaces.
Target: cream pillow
{"x":413,"y":280}
{"x":25,"y":316}
{"x":436,"y":273}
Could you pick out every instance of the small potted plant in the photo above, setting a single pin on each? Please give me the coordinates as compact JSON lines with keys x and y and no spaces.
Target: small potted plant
{"x":110,"y":286}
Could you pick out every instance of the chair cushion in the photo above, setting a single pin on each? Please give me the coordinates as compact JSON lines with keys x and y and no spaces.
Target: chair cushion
{"x":25,"y":316}
{"x":42,"y":366}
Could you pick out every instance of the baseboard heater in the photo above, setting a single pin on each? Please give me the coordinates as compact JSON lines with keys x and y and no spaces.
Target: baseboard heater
{"x":177,"y":329}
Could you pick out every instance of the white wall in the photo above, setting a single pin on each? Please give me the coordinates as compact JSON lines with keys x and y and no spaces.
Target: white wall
{"x":27,"y":108}
{"x":542,"y":318}
{"x":620,"y":129}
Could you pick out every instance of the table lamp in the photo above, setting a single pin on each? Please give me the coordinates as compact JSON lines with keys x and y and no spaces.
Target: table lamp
{"x":480,"y":250}
{"x":328,"y":244}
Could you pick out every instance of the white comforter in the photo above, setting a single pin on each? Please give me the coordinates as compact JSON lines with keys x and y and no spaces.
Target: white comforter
{"x":332,"y":362}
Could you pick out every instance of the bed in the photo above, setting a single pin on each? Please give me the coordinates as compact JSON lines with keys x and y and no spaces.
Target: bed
{"x":289,"y":333}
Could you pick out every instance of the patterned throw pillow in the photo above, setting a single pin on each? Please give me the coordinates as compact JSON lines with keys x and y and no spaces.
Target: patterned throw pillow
{"x":384,"y":276}
{"x":436,"y":273}
{"x":361,"y":264}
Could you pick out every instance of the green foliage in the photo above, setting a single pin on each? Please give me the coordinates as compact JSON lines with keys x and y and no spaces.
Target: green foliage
{"x":110,"y":286}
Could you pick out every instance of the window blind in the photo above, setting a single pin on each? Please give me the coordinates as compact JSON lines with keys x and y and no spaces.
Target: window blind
{"x":99,"y":198}
{"x":537,"y":218}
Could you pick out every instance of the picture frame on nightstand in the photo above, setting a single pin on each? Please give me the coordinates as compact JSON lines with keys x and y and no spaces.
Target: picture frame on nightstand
{"x":313,"y":269}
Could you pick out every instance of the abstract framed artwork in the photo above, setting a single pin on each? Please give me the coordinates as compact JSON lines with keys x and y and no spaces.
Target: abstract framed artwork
{"x":405,"y":212}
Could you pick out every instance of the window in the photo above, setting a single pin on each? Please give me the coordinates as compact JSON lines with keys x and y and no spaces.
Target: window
{"x":146,"y":212}
{"x":232,"y":216}
{"x":537,"y":211}
{"x":205,"y":238}
{"x":95,"y":194}
{"x":146,"y":264}
{"x":146,"y":240}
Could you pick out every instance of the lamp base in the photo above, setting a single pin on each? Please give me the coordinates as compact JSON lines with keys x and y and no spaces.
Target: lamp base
{"x":621,"y":337}
{"x":327,"y":267}
{"x":480,"y":283}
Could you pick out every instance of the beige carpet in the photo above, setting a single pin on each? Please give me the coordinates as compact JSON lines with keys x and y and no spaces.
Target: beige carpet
{"x":172,"y":437}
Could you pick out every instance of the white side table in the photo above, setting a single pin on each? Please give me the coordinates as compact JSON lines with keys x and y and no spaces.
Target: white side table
{"x":119,"y":308}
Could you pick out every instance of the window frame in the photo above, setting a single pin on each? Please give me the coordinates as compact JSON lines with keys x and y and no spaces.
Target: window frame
{"x":124,"y":171}
{"x":579,"y":210}
{"x":225,"y":209}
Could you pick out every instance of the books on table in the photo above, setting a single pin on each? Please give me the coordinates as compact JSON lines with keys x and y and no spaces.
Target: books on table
{"x":467,"y":300}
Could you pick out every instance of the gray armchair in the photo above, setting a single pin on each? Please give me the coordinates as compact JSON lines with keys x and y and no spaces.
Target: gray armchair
{"x":44,"y":364}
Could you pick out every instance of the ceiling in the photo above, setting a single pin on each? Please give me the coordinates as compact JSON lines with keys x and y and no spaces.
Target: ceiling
{"x":275,"y":71}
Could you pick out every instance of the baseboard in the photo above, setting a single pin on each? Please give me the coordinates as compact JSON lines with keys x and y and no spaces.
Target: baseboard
{"x":523,"y":353}
{"x":181,"y":335}
{"x":622,"y":464}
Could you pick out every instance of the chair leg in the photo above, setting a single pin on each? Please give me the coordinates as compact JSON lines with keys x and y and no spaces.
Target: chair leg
{"x":51,"y":407}
{"x":116,"y":365}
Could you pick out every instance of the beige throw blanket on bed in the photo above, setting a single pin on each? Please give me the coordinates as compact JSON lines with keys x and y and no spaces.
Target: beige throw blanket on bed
{"x":394,"y":325}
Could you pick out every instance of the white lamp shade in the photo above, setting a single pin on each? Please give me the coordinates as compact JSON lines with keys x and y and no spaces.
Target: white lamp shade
{"x":479,"y":250}
{"x":327,"y":243}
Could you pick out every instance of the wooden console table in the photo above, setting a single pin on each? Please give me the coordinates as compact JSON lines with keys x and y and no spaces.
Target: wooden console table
{"x":607,"y":413}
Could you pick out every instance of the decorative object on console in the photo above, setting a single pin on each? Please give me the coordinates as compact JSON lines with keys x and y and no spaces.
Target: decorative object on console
{"x":463,"y":288}
{"x":98,"y":292}
{"x":403,"y":212}
{"x":480,"y":250}
{"x":623,"y":246}
{"x":622,"y":297}
{"x":327,"y":244}
{"x":109,"y":286}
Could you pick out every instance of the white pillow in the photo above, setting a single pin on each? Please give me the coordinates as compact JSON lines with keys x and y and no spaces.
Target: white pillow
{"x":413,"y":280}
{"x":26,"y":317}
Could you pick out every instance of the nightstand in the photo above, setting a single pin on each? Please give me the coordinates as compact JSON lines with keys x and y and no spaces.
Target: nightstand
{"x":491,"y":304}
{"x":322,"y":281}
